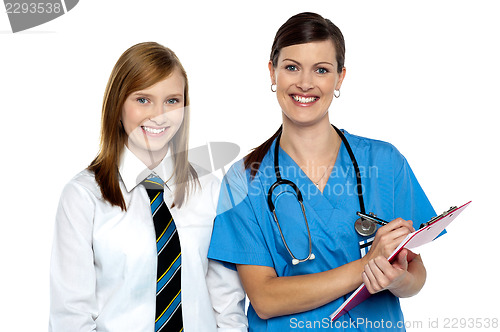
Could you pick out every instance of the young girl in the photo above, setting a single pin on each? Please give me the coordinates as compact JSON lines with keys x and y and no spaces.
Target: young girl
{"x":288,"y":212}
{"x":132,"y":230}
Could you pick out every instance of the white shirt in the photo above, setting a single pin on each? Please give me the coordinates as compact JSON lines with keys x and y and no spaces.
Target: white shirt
{"x":103,"y":269}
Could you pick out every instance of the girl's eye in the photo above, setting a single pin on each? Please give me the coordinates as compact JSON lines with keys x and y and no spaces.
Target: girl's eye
{"x":142,"y":100}
{"x":173,"y":101}
{"x":291,"y":68}
{"x":322,"y":70}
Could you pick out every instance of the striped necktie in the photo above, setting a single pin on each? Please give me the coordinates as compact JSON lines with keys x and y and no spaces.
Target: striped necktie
{"x":168,"y":315}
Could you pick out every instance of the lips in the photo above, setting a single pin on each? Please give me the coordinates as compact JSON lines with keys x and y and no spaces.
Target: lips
{"x":304,"y":100}
{"x":153,"y":131}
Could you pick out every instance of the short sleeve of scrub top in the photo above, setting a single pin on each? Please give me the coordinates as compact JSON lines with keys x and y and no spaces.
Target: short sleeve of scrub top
{"x":246,"y":233}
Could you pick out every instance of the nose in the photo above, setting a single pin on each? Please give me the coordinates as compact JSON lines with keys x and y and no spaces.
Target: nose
{"x":157,"y":114}
{"x":306,"y":81}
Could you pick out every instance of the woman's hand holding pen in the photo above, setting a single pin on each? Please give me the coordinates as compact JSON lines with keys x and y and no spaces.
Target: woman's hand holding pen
{"x":400,"y":277}
{"x":388,"y":238}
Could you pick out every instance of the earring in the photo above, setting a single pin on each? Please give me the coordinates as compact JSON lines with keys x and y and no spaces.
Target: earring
{"x":273,"y":90}
{"x":336,"y":94}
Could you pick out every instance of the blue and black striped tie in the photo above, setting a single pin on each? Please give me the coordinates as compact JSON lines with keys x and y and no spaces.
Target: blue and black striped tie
{"x":168,"y":287}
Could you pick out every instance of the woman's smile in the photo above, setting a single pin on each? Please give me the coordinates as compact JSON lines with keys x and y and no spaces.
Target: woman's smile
{"x":306,"y":76}
{"x":303,"y":100}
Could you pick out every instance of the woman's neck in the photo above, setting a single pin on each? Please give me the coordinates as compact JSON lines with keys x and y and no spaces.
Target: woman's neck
{"x":317,"y":142}
{"x":314,"y":148}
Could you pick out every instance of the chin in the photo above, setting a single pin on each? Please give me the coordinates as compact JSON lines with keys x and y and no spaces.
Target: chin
{"x":301,"y":119}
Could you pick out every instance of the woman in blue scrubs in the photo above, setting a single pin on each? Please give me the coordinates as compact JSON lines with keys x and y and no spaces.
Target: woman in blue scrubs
{"x":307,"y":69}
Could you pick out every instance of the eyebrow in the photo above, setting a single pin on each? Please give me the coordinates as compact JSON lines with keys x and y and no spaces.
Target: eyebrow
{"x":139,"y":93}
{"x":318,"y":63}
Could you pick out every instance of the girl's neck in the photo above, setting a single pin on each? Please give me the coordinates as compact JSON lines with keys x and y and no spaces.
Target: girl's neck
{"x":150,"y":158}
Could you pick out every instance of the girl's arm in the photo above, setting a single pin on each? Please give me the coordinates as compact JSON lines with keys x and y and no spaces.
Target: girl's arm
{"x":226,"y":292}
{"x":228,"y":298}
{"x":73,"y":304}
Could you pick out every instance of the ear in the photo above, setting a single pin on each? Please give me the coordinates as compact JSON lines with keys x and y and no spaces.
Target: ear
{"x":341,"y":79}
{"x":272,"y":72}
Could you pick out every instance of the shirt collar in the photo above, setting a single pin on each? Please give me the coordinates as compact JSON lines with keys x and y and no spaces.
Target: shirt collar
{"x":133,"y":171}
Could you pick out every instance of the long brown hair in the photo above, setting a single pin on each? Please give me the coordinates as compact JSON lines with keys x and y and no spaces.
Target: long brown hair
{"x":298,"y":29}
{"x":139,"y":67}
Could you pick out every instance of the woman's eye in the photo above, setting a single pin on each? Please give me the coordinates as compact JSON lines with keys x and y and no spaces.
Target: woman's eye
{"x":142,"y":100}
{"x":291,"y":68}
{"x":322,"y":70}
{"x":172,"y":101}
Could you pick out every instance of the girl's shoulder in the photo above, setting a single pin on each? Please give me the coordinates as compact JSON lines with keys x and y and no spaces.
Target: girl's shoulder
{"x":204,"y":191}
{"x":206,"y":178}
{"x":207,"y":182}
{"x":83,"y":184}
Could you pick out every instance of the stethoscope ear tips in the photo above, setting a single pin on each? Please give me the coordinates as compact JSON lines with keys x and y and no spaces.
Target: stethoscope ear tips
{"x":312,"y":257}
{"x":295,"y":261}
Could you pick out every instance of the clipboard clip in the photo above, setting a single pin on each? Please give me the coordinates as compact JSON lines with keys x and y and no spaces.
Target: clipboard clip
{"x":436,"y":218}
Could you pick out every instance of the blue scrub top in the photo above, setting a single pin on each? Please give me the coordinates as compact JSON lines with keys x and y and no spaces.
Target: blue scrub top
{"x":245,"y":232}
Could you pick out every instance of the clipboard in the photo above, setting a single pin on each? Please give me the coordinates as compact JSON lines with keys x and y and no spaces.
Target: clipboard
{"x":428,"y":231}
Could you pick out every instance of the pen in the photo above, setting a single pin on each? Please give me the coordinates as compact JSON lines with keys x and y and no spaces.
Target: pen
{"x":372,"y":218}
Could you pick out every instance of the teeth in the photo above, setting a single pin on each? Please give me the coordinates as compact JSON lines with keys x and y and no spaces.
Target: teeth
{"x":153,"y":131}
{"x":304,"y":100}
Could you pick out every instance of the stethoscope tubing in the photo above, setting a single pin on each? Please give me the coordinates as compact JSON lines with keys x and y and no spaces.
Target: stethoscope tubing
{"x":280,"y":181}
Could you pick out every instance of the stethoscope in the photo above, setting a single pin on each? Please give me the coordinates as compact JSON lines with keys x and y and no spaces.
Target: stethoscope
{"x":363,"y":226}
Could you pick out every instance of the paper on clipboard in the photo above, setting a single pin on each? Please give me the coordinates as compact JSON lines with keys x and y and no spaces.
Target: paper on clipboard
{"x":420,"y":237}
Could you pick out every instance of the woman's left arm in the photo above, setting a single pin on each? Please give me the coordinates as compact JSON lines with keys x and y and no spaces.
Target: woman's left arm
{"x":405,"y":277}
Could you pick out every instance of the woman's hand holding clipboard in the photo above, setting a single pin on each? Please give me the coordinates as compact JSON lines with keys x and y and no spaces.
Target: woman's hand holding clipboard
{"x":426,"y":233}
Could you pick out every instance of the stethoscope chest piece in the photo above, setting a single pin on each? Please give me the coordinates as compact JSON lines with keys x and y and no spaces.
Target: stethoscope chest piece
{"x":365,"y":227}
{"x":296,"y":261}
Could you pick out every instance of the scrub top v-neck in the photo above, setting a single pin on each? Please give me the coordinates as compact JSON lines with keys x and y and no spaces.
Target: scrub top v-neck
{"x":245,"y":232}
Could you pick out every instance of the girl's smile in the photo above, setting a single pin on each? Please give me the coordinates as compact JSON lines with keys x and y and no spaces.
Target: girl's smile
{"x":152,"y":116}
{"x":151,"y":131}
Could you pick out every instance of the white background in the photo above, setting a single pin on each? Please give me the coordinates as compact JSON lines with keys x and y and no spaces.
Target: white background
{"x":422,"y":75}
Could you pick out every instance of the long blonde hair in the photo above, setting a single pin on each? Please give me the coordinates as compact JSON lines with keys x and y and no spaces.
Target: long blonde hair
{"x":140,"y":67}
